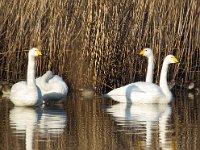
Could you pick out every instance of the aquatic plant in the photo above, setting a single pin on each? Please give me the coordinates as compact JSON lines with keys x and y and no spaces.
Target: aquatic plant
{"x":96,"y":42}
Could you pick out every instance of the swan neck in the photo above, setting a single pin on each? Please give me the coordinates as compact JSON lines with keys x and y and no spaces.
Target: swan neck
{"x":150,"y":69}
{"x":45,"y":82}
{"x":163,"y":81}
{"x":31,"y":71}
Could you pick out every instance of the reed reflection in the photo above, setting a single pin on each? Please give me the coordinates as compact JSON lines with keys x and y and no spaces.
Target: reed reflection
{"x":144,"y":119}
{"x":47,"y":121}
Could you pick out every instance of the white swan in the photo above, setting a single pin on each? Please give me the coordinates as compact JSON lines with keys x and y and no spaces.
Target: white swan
{"x":149,"y":54}
{"x":144,"y":92}
{"x":26,"y":93}
{"x":53,"y":87}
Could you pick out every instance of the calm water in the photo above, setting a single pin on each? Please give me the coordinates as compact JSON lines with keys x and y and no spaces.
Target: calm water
{"x":95,"y":124}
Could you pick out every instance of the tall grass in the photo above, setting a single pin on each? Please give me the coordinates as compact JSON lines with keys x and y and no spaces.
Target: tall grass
{"x":97,"y":42}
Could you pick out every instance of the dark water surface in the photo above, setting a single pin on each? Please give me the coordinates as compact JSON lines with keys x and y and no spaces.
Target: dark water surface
{"x":95,"y":124}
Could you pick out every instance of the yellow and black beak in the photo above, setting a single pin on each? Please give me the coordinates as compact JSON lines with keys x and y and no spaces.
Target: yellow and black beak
{"x":175,"y":60}
{"x":142,"y":52}
{"x":39,"y":52}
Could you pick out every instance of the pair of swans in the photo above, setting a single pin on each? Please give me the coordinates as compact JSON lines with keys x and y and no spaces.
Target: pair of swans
{"x":48,"y":87}
{"x":146,"y":92}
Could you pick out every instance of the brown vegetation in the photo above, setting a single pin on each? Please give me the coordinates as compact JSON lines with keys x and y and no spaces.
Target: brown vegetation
{"x":95,"y":42}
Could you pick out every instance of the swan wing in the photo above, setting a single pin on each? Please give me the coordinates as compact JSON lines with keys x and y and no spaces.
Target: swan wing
{"x":138,"y":92}
{"x":19,"y":87}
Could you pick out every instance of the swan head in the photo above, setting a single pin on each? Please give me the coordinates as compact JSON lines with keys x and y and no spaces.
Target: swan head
{"x":148,"y":52}
{"x":35,"y":52}
{"x":49,"y":74}
{"x":170,"y":59}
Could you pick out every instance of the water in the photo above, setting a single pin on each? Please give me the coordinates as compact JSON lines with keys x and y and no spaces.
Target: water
{"x":97,"y":123}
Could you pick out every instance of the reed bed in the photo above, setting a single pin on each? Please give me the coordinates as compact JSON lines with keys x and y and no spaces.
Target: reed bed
{"x":96,"y":42}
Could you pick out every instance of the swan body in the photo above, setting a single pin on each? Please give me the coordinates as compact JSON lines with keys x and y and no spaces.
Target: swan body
{"x":144,"y":92}
{"x":53,"y":87}
{"x":26,"y":93}
{"x":147,"y":52}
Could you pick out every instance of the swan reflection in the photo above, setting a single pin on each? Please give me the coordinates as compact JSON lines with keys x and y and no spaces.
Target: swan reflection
{"x":52,"y":122}
{"x":143,"y":118}
{"x":25,"y":121}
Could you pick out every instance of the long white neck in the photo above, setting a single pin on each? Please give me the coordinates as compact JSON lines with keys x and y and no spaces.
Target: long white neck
{"x":163,"y":81}
{"x":44,"y":82}
{"x":31,"y":71}
{"x":150,"y":69}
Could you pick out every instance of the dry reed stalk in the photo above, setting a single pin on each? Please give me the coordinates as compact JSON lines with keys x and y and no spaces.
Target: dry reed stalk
{"x":96,"y":42}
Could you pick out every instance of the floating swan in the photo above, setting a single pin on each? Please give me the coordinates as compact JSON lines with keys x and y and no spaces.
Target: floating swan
{"x":149,"y":54}
{"x":144,"y":92}
{"x":26,"y":93}
{"x":53,"y":87}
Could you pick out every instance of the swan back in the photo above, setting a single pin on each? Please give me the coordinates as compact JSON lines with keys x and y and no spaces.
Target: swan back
{"x":52,"y":86}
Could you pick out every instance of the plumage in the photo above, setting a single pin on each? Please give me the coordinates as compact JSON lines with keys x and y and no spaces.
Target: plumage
{"x":53,"y":87}
{"x":144,"y":92}
{"x":26,"y":93}
{"x":147,"y":52}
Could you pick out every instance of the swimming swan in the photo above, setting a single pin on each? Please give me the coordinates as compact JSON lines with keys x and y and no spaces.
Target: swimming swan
{"x":144,"y":92}
{"x":26,"y":93}
{"x":53,"y":87}
{"x":149,"y":54}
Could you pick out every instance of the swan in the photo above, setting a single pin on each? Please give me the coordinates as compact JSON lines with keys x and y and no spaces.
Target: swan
{"x":144,"y":92}
{"x":26,"y":93}
{"x":148,"y":52}
{"x":53,"y":87}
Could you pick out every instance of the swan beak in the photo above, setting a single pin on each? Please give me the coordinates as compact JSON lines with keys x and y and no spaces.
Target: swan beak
{"x":175,"y":59}
{"x":39,"y":52}
{"x":142,"y":52}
